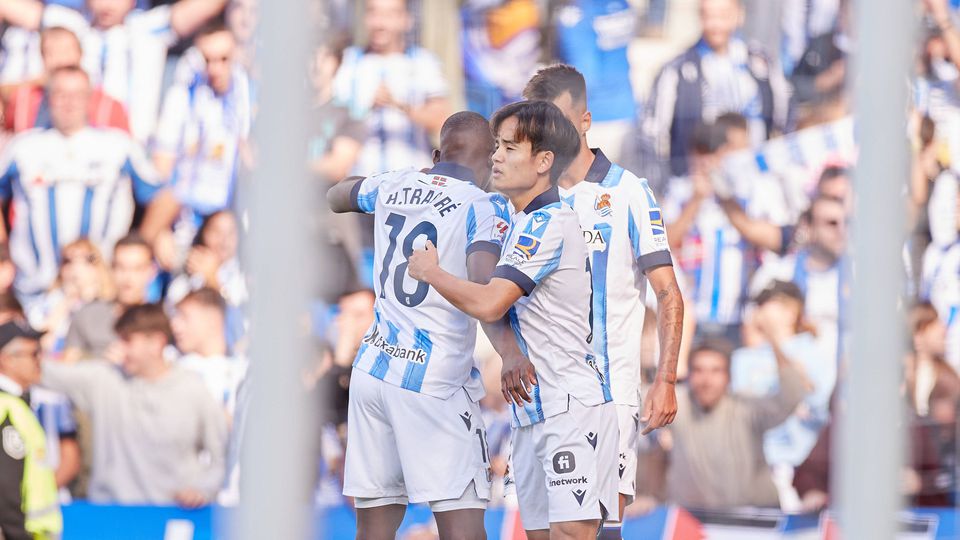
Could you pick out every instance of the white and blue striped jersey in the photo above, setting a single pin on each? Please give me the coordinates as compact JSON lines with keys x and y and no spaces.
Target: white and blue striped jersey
{"x":941,"y":286}
{"x":204,"y":131}
{"x":547,"y":258}
{"x":127,"y":61}
{"x":625,"y":235}
{"x":716,"y":259}
{"x":419,"y":340}
{"x":66,"y":188}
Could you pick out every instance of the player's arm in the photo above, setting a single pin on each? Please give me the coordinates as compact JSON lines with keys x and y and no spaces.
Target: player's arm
{"x":342,"y":197}
{"x":518,"y":375}
{"x":187,"y":16}
{"x":485,"y":302}
{"x":23,"y":13}
{"x":660,"y":405}
{"x":757,"y":232}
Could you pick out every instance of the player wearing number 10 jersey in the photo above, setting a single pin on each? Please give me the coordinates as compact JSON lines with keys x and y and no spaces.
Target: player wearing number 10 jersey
{"x":415,"y":432}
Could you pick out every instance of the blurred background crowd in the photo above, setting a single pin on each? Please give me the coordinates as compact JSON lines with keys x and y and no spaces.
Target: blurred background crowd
{"x":125,"y":148}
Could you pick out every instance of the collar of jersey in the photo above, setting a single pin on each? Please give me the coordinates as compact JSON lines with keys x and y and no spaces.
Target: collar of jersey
{"x":453,"y":170}
{"x":548,"y":197}
{"x":599,"y":168}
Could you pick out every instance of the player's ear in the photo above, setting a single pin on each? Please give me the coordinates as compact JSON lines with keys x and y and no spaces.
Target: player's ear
{"x":544,"y":162}
{"x":436,"y":156}
{"x":585,"y":122}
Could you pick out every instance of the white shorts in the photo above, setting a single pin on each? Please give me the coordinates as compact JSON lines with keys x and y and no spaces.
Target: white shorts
{"x":565,"y":466}
{"x":628,"y":419}
{"x":403,"y":445}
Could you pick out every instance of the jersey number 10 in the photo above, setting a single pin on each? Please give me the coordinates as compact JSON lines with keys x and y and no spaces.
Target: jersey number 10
{"x":395,"y":222}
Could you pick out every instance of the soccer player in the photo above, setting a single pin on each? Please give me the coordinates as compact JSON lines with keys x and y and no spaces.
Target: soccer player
{"x":565,"y":437}
{"x":627,"y":242}
{"x":415,"y":433}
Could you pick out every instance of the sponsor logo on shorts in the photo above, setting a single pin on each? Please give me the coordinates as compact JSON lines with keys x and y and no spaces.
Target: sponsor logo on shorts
{"x":579,"y":494}
{"x":569,"y":481}
{"x":467,"y":417}
{"x":414,"y":355}
{"x":592,"y":439}
{"x":564,"y":462}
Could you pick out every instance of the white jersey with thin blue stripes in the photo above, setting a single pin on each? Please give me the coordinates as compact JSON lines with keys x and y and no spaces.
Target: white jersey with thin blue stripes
{"x":66,"y":188}
{"x":625,"y":235}
{"x":546,"y":257}
{"x":419,"y":341}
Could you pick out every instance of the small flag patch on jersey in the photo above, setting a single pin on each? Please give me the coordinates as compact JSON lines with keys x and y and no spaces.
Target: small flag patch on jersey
{"x":656,"y":222}
{"x":602,"y":205}
{"x":439,"y":181}
{"x":527,"y":246}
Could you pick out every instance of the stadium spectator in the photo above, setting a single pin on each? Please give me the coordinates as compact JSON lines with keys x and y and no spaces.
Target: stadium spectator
{"x":84,"y":277}
{"x":720,"y":73}
{"x":801,"y":22}
{"x":935,"y":91}
{"x":716,"y":459}
{"x":821,"y":269}
{"x":70,"y":181}
{"x":932,"y":385}
{"x":199,"y":331}
{"x":821,"y":70}
{"x":501,"y":44}
{"x":28,"y":104}
{"x":91,"y":333}
{"x":592,"y":36}
{"x":202,"y":134}
{"x":776,"y":326}
{"x":20,"y":376}
{"x":397,"y":87}
{"x":112,"y":32}
{"x":28,"y":500}
{"x":335,"y":145}
{"x":158,"y":436}
{"x":710,"y":249}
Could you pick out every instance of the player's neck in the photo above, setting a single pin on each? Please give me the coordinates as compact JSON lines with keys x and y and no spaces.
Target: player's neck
{"x":577,"y":170}
{"x":522,"y":199}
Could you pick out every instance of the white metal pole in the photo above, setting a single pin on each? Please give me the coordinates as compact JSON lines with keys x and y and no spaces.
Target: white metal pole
{"x":871,"y":437}
{"x":277,"y":455}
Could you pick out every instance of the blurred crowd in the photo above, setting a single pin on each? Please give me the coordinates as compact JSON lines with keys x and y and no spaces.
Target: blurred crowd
{"x":125,"y":138}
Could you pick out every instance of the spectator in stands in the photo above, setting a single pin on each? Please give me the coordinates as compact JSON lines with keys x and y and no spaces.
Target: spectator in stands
{"x":592,"y":36}
{"x":202,"y":135}
{"x":716,"y":459}
{"x":81,"y":179}
{"x":821,"y":269}
{"x":932,"y":385}
{"x":20,"y":376}
{"x":718,"y":74}
{"x":112,"y":32}
{"x":801,"y":22}
{"x":199,"y":331}
{"x":711,"y":251}
{"x":241,"y":19}
{"x":821,"y":70}
{"x":28,"y":105}
{"x":158,"y":436}
{"x":213,"y":262}
{"x":397,"y":87}
{"x":778,"y":326}
{"x":936,"y":87}
{"x":84,"y":278}
{"x":91,"y":333}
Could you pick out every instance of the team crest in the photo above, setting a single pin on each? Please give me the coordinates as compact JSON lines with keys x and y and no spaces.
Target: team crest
{"x":527,"y":246}
{"x":602,"y":205}
{"x":438,"y":181}
{"x":656,"y":222}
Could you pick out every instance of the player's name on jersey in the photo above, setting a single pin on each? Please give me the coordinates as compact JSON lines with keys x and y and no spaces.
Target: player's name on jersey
{"x":424,"y":196}
{"x":376,"y":340}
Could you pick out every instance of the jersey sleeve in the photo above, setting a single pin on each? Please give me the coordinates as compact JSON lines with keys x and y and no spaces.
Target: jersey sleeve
{"x":645,"y":225}
{"x":534,"y":255}
{"x":172,"y":118}
{"x":363,"y":196}
{"x":488,"y":222}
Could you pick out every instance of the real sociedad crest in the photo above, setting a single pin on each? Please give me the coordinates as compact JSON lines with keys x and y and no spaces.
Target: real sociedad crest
{"x":602,"y":205}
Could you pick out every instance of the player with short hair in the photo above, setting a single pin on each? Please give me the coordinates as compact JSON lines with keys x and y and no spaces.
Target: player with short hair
{"x":565,"y":437}
{"x":625,"y":235}
{"x":415,"y":432}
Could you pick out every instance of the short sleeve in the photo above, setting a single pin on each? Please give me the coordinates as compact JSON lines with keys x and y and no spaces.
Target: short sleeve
{"x":488,"y":222}
{"x":363,"y":196}
{"x":153,"y":22}
{"x":645,"y":225}
{"x":534,"y":255}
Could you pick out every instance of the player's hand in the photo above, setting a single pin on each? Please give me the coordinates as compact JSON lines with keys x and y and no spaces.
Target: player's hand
{"x":422,"y":261}
{"x":660,"y":406}
{"x":517,"y":379}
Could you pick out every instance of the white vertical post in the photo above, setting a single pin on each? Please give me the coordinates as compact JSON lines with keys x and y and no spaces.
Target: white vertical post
{"x":871,"y":437}
{"x":277,"y":455}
